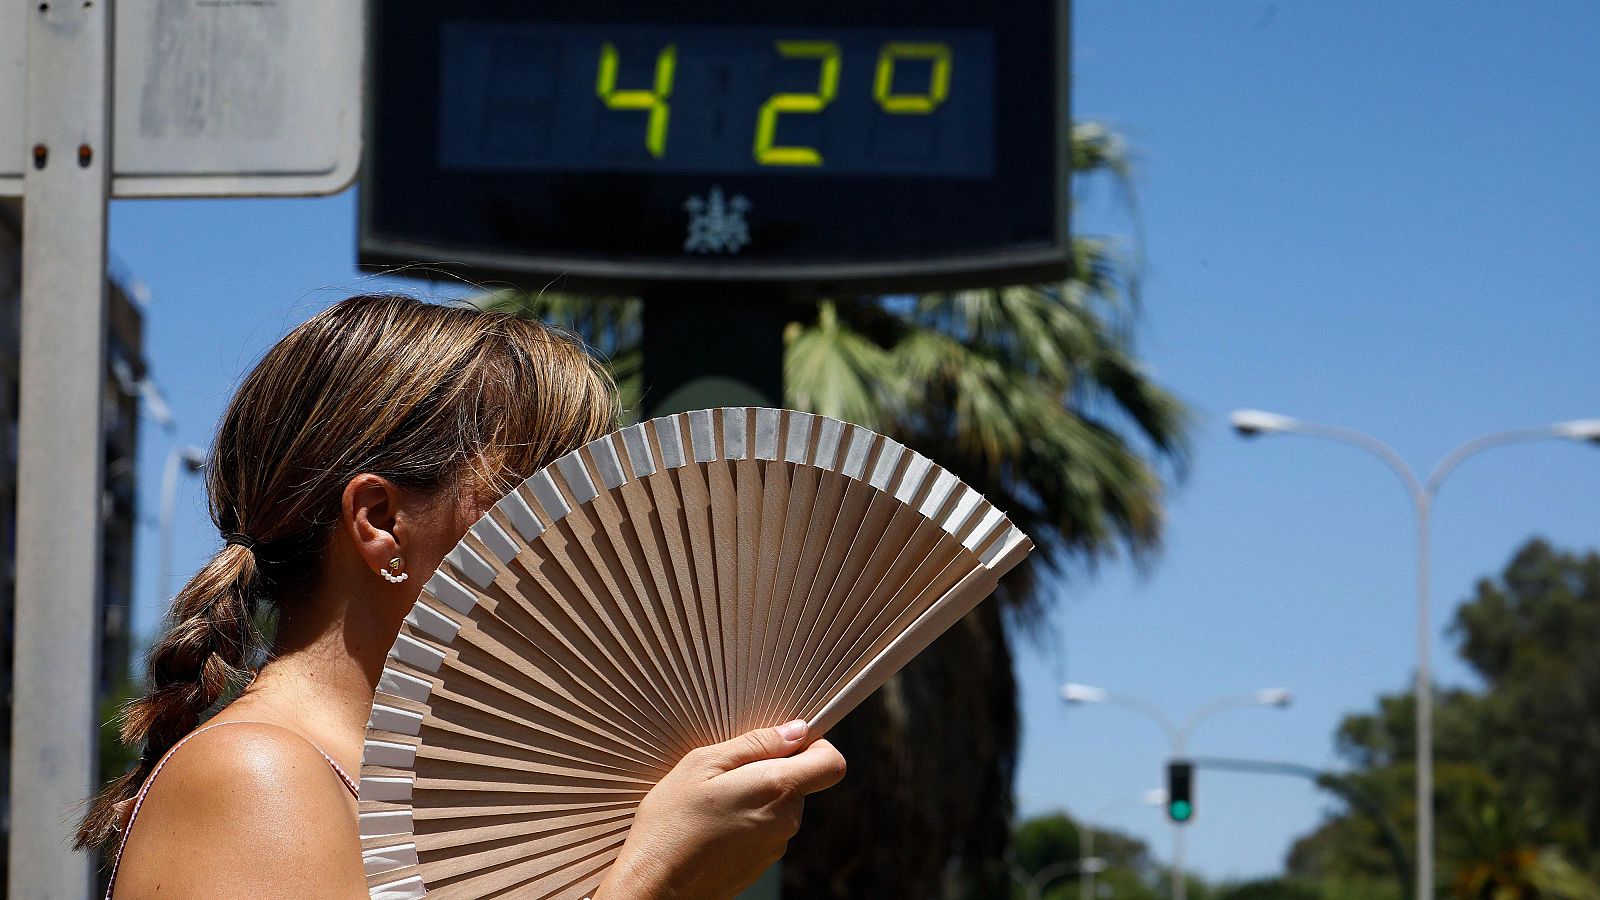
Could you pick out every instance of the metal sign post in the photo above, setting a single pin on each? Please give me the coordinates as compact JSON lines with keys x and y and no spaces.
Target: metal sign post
{"x":201,"y":99}
{"x":67,"y":183}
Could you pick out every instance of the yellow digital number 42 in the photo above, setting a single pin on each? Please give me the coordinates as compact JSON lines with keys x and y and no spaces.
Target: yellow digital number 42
{"x":654,"y":100}
{"x":827,"y":87}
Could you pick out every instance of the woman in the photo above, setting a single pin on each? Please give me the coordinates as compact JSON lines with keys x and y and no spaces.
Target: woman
{"x":352,"y":458}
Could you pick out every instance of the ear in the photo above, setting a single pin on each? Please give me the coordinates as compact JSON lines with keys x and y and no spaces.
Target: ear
{"x":371,"y":514}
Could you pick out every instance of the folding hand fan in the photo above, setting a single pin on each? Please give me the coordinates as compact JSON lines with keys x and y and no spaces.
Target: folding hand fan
{"x":669,"y":586}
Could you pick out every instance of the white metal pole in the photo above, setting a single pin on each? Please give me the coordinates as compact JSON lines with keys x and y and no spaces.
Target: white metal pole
{"x":60,"y":454}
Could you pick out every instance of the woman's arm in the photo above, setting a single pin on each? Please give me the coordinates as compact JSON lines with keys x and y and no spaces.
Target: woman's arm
{"x":246,"y":811}
{"x":721,"y":817}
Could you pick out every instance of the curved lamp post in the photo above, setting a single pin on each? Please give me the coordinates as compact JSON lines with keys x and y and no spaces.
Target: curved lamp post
{"x":1152,"y":797}
{"x":181,"y":458}
{"x":1178,"y":735}
{"x":1254,"y":422}
{"x":1034,"y":887}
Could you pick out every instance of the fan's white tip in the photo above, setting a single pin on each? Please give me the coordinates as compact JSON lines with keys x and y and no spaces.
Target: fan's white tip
{"x":407,"y":889}
{"x":387,"y":788}
{"x":378,"y":860}
{"x":386,"y":823}
{"x":392,"y":718}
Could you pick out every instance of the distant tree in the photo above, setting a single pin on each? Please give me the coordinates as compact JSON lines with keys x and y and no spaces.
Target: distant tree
{"x":1131,"y":872}
{"x":1517,"y":785}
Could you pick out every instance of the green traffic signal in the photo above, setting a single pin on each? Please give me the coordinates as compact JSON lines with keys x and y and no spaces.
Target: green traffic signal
{"x":1180,"y":790}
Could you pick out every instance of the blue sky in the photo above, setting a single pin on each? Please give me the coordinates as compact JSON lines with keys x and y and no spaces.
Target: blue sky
{"x":1376,"y":215}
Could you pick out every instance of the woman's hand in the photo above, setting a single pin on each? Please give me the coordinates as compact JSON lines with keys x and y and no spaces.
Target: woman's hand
{"x":721,"y":816}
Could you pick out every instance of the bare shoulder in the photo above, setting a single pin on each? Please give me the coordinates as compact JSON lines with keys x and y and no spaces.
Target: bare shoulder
{"x":246,"y":810}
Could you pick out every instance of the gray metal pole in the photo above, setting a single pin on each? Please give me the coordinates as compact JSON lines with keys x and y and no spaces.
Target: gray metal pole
{"x":1180,"y":886}
{"x":1422,"y":496}
{"x":179,"y":458}
{"x":60,"y":455}
{"x":1424,"y":703}
{"x":1085,"y":850}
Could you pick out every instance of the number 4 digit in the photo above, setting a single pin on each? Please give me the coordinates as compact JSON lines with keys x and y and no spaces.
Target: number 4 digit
{"x":653,"y":100}
{"x":827,"y":87}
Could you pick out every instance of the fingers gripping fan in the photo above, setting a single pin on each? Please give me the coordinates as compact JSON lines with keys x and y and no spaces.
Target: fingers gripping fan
{"x":666,"y":587}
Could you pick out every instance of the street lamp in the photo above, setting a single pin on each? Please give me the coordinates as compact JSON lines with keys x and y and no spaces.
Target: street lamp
{"x":1254,"y":422}
{"x":1178,"y":735}
{"x":1034,"y":887}
{"x":181,"y":458}
{"x":1152,"y":797}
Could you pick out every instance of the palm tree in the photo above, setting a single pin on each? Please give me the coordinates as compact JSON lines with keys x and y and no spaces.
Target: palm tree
{"x":1032,"y":395}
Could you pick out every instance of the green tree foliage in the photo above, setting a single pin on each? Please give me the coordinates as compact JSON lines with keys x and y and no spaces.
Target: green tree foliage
{"x":1517,"y":786}
{"x":1032,"y":395}
{"x":1131,"y":872}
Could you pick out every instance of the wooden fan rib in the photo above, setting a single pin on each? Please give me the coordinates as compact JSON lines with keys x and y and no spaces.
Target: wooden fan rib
{"x":548,"y":633}
{"x":775,"y":547}
{"x":733,"y":577}
{"x":487,"y":654}
{"x":466,"y":746}
{"x":402,"y":787}
{"x":668,"y":528}
{"x":848,"y":564}
{"x":750,"y":441}
{"x":976,"y":525}
{"x":743,"y":517}
{"x":645,"y":690}
{"x":578,"y":741}
{"x":462,"y":710}
{"x":949,"y":609}
{"x":694,"y":506}
{"x":723,"y":551}
{"x":573,"y":577}
{"x":531,"y":877}
{"x":533,"y":824}
{"x":435,"y":763}
{"x":529,"y":845}
{"x":628,"y":558}
{"x":884,"y":587}
{"x":799,"y":485}
{"x":841,"y":450}
{"x":444,"y":819}
{"x":651,"y":547}
{"x":885,"y":581}
{"x":606,"y":549}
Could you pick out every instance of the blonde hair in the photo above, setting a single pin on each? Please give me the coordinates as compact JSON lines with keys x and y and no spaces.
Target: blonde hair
{"x":431,"y":397}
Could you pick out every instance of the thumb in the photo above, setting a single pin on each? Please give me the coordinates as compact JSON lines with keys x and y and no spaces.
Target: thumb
{"x":762,"y":743}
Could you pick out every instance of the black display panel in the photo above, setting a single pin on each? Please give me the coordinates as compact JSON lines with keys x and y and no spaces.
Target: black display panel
{"x":817,"y":147}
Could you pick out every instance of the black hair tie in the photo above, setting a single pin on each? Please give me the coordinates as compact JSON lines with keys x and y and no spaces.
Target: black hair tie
{"x":243,"y":540}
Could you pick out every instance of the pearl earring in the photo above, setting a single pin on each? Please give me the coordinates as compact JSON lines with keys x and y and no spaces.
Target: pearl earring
{"x":389,"y":573}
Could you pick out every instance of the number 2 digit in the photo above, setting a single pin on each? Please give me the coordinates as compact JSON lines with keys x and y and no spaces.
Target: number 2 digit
{"x":827,"y":86}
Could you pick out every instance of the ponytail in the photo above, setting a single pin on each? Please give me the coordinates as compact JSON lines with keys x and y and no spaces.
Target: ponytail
{"x":209,"y":643}
{"x":430,"y":397}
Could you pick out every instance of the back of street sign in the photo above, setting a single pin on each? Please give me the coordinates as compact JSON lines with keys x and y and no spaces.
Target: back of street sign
{"x":214,"y":98}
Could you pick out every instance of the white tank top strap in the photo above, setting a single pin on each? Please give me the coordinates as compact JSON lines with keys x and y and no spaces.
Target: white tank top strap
{"x":138,"y":799}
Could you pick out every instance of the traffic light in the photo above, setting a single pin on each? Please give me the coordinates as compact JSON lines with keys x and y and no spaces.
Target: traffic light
{"x":1180,"y":790}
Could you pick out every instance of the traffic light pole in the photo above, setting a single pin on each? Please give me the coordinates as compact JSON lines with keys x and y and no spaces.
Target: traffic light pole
{"x":1339,"y":785}
{"x":1178,"y":735}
